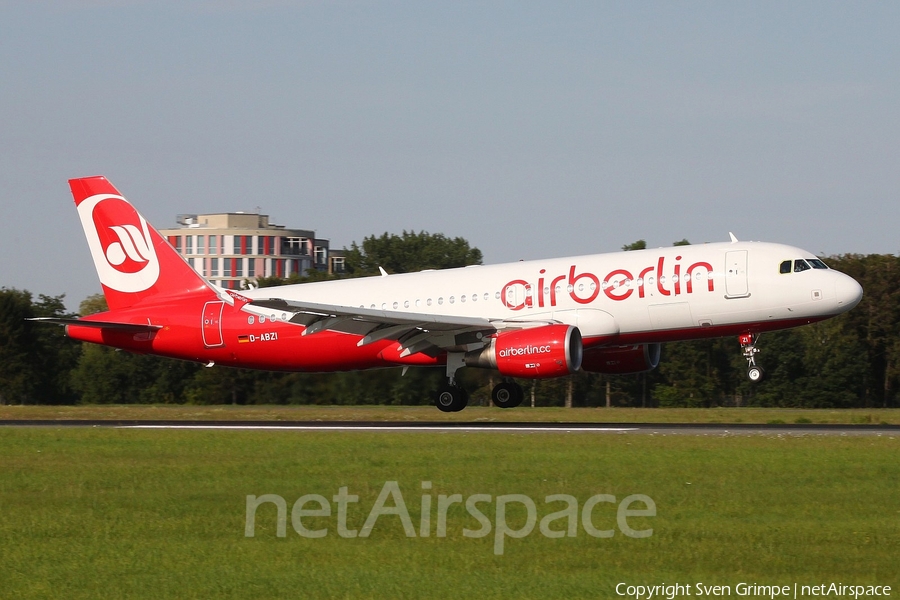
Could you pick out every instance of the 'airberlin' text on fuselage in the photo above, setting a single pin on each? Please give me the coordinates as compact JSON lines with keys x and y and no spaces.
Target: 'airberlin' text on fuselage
{"x":618,"y":284}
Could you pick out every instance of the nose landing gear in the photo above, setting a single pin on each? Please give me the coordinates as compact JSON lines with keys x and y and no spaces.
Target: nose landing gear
{"x":748,"y":348}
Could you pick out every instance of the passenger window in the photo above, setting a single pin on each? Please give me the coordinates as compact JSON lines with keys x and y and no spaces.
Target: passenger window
{"x":800,"y":265}
{"x":785,"y":267}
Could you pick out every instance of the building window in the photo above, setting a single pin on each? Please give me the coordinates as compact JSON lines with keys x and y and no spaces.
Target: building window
{"x":337,"y":264}
{"x":214,"y":269}
{"x":251,"y":267}
{"x":237,"y":244}
{"x":188,"y":244}
{"x":200,"y":240}
{"x":294,"y":246}
{"x":321,"y":255}
{"x":178,"y":243}
{"x":212,"y":244}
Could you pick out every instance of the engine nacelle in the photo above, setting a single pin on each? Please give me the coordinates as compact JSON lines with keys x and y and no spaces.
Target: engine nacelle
{"x":620,"y":360}
{"x":549,"y":351}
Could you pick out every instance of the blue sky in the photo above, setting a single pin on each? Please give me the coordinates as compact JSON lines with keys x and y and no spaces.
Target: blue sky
{"x":530,"y":128}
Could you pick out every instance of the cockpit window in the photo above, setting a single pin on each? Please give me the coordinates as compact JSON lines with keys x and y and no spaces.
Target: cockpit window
{"x":799,"y":265}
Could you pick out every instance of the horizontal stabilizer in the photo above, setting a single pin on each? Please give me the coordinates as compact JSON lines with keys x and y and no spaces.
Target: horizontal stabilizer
{"x":133,"y":327}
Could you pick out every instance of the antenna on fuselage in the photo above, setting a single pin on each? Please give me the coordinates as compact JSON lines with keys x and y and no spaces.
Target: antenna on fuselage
{"x":733,"y":239}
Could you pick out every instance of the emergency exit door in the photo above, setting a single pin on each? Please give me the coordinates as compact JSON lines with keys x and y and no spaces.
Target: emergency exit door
{"x":212,"y":324}
{"x":736,"y":274}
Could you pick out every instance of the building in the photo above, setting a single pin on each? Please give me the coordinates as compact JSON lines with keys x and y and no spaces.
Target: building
{"x":231,"y":248}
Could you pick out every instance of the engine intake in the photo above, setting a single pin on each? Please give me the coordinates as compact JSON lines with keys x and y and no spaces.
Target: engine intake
{"x":549,"y":351}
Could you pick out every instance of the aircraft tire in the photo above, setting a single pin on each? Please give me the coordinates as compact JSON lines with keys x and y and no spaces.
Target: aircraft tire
{"x":451,"y":398}
{"x":508,"y":394}
{"x":756,"y":374}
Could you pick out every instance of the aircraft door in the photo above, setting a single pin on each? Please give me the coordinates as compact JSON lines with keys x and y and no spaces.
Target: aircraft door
{"x":212,"y":324}
{"x":736,"y":285}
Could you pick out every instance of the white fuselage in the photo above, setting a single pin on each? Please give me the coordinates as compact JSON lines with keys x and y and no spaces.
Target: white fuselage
{"x":646,"y":295}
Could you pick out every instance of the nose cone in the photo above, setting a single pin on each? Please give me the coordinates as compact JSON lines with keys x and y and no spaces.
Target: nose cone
{"x":847,"y":292}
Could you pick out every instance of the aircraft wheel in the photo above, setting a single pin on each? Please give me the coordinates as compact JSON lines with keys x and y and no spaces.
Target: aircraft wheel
{"x":508,"y":394}
{"x":451,"y":398}
{"x":755,"y":374}
{"x":465,"y":399}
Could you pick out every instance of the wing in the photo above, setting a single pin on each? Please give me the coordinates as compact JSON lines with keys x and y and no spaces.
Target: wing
{"x":416,"y":332}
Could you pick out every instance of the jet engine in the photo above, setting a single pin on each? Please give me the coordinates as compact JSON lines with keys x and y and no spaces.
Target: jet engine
{"x":620,"y":360}
{"x":548,"y":351}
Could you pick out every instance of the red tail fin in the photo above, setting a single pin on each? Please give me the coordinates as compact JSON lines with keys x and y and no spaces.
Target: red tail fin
{"x":135,"y":264}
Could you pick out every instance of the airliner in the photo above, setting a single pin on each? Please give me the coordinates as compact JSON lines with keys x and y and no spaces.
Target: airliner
{"x":605,"y":313}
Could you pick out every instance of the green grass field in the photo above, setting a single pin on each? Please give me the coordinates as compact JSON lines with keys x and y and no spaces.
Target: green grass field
{"x":115,"y":513}
{"x":472,"y":413}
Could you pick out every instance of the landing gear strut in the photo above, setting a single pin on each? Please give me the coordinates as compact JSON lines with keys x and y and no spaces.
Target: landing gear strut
{"x":749,"y":350}
{"x":452,"y":397}
{"x":507,"y":394}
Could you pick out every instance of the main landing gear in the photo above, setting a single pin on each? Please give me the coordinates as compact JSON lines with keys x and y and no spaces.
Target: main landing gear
{"x":748,"y":348}
{"x":453,"y":398}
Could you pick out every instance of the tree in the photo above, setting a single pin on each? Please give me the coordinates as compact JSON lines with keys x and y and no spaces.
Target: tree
{"x":34,"y":357}
{"x":692,"y":373}
{"x":93,"y":304}
{"x":57,"y":353}
{"x":310,"y":276}
{"x":638,"y":245}
{"x":103,"y":375}
{"x":17,"y":348}
{"x":409,"y":252}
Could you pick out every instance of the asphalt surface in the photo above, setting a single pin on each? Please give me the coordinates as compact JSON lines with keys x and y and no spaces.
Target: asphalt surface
{"x":479,"y":426}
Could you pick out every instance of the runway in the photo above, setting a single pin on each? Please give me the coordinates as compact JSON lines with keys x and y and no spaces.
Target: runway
{"x":478,"y":427}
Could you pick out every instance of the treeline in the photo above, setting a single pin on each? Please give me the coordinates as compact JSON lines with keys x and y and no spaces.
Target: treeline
{"x":850,"y":361}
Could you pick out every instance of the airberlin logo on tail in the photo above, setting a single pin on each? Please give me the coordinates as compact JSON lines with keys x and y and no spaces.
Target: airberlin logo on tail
{"x":132,"y":245}
{"x":120,"y":243}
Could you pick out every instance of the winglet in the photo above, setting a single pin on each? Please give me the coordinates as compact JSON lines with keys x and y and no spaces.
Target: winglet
{"x":383,"y":272}
{"x":733,"y":239}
